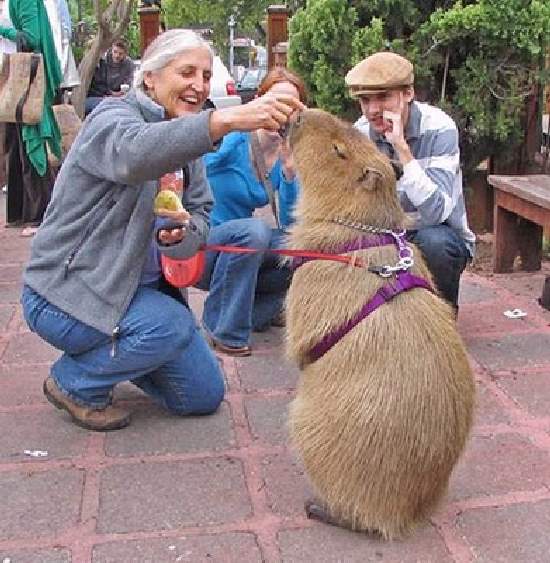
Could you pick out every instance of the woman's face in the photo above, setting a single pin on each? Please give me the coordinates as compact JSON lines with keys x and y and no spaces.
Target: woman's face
{"x":182,"y":86}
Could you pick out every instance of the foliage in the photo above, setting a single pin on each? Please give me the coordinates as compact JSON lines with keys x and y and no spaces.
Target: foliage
{"x":478,"y":59}
{"x":320,"y":48}
{"x":85,"y":28}
{"x":249,"y":14}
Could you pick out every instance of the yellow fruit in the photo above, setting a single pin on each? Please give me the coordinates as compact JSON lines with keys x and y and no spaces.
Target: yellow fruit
{"x":167,"y":200}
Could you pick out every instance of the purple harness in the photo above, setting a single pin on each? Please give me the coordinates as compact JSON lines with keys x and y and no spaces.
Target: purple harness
{"x":404,"y":281}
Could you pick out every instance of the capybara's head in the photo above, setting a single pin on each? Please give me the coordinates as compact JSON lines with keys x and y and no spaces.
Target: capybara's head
{"x":341,"y":172}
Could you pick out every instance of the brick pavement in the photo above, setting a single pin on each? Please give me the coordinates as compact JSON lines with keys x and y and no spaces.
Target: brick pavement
{"x":227,"y":487}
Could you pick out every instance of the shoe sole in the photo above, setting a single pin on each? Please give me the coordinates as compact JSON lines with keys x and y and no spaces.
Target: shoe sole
{"x":236,"y":352}
{"x":61,"y":406}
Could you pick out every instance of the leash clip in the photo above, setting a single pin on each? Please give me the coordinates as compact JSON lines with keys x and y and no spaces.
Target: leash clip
{"x":382,"y":271}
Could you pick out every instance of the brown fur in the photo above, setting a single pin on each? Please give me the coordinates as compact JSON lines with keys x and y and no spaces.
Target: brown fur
{"x":381,"y":419}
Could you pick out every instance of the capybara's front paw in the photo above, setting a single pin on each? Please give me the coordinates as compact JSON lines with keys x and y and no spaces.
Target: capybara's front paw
{"x":316,"y":510}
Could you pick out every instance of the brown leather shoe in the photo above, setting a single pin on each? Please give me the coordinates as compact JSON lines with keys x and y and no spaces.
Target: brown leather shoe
{"x":109,"y":418}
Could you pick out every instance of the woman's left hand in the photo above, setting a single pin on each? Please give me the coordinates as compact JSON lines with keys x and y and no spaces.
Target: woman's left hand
{"x":171,"y":236}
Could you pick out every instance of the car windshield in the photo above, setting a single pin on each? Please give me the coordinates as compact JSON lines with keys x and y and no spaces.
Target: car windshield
{"x":252,"y":78}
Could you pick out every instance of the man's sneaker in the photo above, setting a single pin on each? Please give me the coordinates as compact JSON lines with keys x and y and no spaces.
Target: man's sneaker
{"x":109,"y":418}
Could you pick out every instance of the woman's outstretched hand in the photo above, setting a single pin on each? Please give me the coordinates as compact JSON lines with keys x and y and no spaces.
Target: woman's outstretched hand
{"x":270,"y":111}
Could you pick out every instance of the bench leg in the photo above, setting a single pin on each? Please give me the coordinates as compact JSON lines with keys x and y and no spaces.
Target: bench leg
{"x":530,"y":245}
{"x":506,"y":240}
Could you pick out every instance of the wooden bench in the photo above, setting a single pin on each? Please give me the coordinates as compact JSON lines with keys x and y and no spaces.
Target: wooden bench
{"x":521,"y":211}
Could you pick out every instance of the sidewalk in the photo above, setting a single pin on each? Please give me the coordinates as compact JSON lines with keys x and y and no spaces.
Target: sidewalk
{"x":227,"y":488}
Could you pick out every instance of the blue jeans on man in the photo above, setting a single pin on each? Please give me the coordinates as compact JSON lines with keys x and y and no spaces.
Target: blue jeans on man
{"x":246,"y":291}
{"x":446,"y":256}
{"x":159,"y":348}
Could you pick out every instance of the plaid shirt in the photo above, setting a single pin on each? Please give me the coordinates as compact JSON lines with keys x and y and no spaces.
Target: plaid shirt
{"x":430,"y":189}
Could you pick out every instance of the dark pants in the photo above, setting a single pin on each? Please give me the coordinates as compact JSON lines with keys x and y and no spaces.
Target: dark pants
{"x":446,"y":256}
{"x":28,"y":193}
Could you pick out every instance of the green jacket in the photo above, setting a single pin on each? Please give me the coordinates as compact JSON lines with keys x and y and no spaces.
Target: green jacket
{"x":30,"y":18}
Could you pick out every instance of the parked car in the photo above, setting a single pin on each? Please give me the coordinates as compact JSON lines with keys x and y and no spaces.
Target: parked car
{"x":248,"y":86}
{"x":223,"y":92}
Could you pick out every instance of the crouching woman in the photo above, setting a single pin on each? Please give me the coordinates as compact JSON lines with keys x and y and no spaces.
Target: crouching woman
{"x":93,"y":286}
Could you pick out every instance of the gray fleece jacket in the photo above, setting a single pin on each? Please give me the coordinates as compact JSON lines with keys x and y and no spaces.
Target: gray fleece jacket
{"x":88,"y":255}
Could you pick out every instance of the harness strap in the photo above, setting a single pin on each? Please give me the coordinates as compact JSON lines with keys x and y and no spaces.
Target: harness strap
{"x":404,"y":281}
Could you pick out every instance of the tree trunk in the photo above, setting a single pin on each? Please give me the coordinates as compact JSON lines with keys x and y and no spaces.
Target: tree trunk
{"x":112,"y":24}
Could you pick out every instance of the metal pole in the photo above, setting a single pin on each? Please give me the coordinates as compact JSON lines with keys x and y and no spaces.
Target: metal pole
{"x":231,"y":24}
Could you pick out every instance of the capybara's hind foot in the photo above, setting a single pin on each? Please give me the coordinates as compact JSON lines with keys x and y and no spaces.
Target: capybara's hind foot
{"x":315,"y":510}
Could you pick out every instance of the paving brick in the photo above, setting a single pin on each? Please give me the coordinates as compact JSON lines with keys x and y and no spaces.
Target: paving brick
{"x":45,"y":556}
{"x":22,"y":384}
{"x":267,"y":372}
{"x":29,"y":348}
{"x":472,"y":292}
{"x":525,"y":284}
{"x":517,"y":533}
{"x":323,"y":543}
{"x":16,"y":254}
{"x":273,"y":338}
{"x":531,"y":391}
{"x":164,"y":496}
{"x":500,"y":464}
{"x":10,"y":273}
{"x":229,"y":548}
{"x":6,"y":314}
{"x":10,"y":292}
{"x":287,"y":487}
{"x":40,"y":430}
{"x":488,"y":409}
{"x":39,"y":504}
{"x":155,"y":431}
{"x":485,"y":317}
{"x":268,"y":419}
{"x":511,"y":352}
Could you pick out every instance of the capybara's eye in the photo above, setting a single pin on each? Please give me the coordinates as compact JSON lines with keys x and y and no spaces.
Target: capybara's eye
{"x":340,"y":152}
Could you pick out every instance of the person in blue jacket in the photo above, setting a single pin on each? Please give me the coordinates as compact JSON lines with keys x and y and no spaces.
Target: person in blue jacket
{"x":246,"y":291}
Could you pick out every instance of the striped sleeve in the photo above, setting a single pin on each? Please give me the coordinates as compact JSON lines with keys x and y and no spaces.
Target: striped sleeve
{"x":429,"y":181}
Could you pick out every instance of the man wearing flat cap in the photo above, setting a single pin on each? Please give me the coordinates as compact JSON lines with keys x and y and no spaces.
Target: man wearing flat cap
{"x":422,"y":141}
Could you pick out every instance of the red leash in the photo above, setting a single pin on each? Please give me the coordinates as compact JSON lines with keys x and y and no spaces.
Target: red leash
{"x":353,"y":261}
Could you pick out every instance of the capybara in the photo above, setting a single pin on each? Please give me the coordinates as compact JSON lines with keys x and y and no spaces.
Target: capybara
{"x":381,"y":418}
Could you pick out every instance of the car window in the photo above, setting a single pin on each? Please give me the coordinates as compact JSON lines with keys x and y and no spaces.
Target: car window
{"x":252,"y":78}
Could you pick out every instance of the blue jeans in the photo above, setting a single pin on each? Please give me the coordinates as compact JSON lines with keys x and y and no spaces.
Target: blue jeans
{"x":160,"y":349}
{"x":446,"y":256}
{"x":246,"y":291}
{"x":91,"y":103}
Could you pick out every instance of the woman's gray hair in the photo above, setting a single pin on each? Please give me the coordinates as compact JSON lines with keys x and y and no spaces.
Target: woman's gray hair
{"x":165,"y":48}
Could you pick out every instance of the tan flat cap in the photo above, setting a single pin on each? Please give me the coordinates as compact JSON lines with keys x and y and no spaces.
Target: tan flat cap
{"x":379,"y":72}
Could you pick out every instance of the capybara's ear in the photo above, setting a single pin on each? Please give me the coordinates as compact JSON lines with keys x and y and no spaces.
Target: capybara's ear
{"x":340,"y":149}
{"x":369,"y":178}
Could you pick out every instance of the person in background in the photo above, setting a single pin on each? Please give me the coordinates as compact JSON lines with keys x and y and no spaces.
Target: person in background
{"x":246,"y":291}
{"x":422,"y":141}
{"x":112,"y":73}
{"x":62,"y":30}
{"x":29,"y":177}
{"x":93,"y":287}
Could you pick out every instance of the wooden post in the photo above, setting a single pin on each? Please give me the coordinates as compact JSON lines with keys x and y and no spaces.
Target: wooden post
{"x":277,"y":18}
{"x":149,"y":25}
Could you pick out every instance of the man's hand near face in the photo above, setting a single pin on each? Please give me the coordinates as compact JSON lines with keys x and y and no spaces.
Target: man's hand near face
{"x":395,"y":132}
